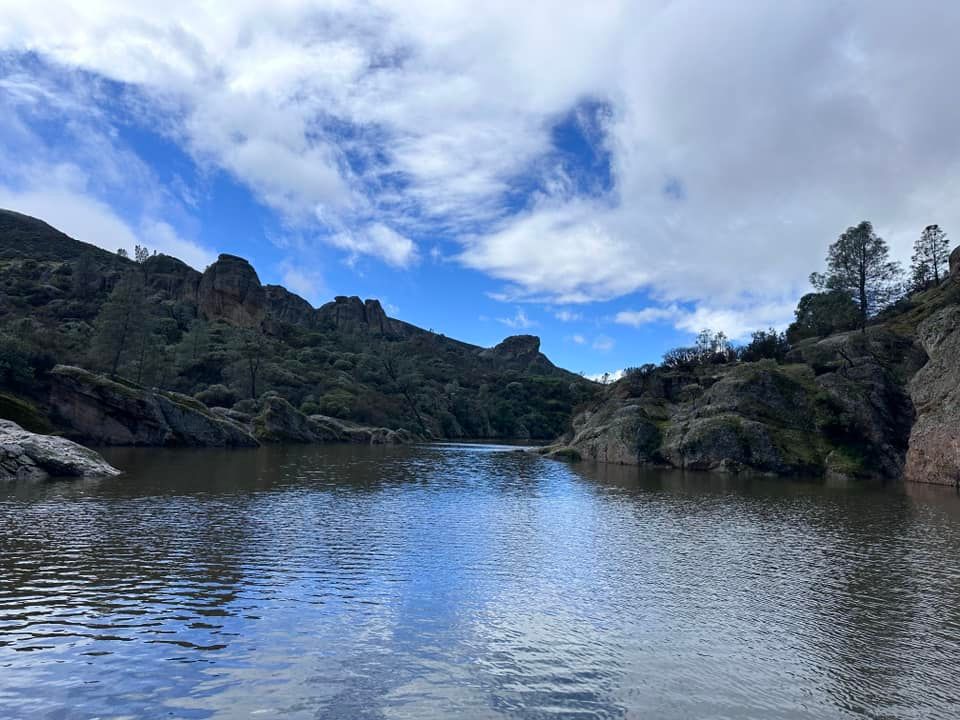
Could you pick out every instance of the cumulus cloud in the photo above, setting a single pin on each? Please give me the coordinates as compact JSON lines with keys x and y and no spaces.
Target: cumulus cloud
{"x":740,"y":142}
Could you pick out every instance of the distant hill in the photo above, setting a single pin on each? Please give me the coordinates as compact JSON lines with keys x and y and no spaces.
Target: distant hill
{"x":346,"y":359}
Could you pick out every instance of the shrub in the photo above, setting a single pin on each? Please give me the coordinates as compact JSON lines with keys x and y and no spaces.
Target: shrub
{"x":217,"y":396}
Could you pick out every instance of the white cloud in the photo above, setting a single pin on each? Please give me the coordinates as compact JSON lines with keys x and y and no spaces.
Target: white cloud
{"x":611,"y":376}
{"x":603,"y":343}
{"x":519,"y":321}
{"x":737,"y":322}
{"x":84,"y":217}
{"x":379,"y":240}
{"x":578,"y":339}
{"x":567,"y":316}
{"x":741,"y":142}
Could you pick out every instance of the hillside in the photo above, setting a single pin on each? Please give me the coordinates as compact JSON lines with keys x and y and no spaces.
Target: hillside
{"x":223,"y":338}
{"x":880,"y":403}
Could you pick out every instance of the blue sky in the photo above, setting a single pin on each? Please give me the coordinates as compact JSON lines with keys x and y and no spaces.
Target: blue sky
{"x":610,"y":176}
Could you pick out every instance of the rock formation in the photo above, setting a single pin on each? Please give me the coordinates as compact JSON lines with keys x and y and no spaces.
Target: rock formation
{"x":279,"y":422}
{"x":955,"y":262}
{"x":230,"y":290}
{"x":934,"y":454}
{"x":104,"y":412}
{"x":26,"y":455}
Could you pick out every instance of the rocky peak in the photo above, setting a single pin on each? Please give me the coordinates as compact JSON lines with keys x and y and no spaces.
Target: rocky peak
{"x":230,"y":290}
{"x":955,"y":262}
{"x":353,"y":313}
{"x":515,"y":348}
{"x":285,"y":306}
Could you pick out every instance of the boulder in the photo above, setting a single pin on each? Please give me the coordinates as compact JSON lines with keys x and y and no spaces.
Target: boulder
{"x":280,"y":422}
{"x":933,"y":455}
{"x":230,"y":290}
{"x":107,"y":412}
{"x":337,"y":430}
{"x":27,"y":455}
{"x":955,"y":262}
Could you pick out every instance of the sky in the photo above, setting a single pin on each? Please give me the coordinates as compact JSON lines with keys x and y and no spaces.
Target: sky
{"x":610,"y":176}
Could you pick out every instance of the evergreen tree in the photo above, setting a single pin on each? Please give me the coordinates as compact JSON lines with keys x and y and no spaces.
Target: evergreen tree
{"x":84,"y":276}
{"x":858,"y":265}
{"x":121,"y":323}
{"x":930,"y":254}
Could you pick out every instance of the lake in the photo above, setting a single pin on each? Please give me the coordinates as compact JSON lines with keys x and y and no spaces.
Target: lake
{"x":468,"y":581}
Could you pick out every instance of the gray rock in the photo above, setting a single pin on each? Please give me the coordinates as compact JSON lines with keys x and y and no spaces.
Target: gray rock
{"x":955,"y":262}
{"x":934,"y":451}
{"x":105,"y":412}
{"x":27,"y":455}
{"x":230,"y":290}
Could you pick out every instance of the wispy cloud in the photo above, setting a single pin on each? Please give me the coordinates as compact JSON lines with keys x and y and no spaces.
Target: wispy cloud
{"x":519,"y":321}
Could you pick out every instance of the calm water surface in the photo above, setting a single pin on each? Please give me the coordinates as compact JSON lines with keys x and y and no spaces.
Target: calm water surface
{"x":469,"y":582}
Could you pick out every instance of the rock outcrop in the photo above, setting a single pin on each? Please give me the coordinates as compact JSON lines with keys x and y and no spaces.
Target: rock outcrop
{"x":285,"y":307}
{"x":355,"y":315}
{"x":934,"y":453}
{"x":26,"y":455}
{"x":955,"y":262}
{"x":104,"y":412}
{"x":171,"y":279}
{"x":230,"y":290}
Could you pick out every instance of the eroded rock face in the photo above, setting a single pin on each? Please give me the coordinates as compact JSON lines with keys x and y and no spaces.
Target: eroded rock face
{"x":171,"y":278}
{"x":934,"y":452}
{"x":230,"y":290}
{"x":103,"y":412}
{"x":353,"y":314}
{"x":27,"y":455}
{"x":955,"y":262}
{"x":284,"y":306}
{"x":279,"y":422}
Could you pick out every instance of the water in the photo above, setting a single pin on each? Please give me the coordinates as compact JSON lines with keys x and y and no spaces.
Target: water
{"x":469,"y":582}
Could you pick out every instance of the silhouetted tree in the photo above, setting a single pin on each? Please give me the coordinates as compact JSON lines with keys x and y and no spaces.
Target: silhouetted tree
{"x":858,"y":264}
{"x":930,"y":254}
{"x":121,"y":252}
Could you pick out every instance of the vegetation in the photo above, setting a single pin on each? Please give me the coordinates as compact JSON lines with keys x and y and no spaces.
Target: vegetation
{"x":858,"y":265}
{"x":931,"y":253}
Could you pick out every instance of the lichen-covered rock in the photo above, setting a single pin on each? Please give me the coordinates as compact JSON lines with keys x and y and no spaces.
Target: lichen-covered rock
{"x":27,"y":455}
{"x":280,"y":422}
{"x":230,"y":290}
{"x":934,"y":451}
{"x":107,"y":412}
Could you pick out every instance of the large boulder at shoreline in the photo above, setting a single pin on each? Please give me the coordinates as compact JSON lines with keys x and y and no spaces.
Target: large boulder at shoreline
{"x":934,"y":452}
{"x":26,"y":455}
{"x":230,"y":290}
{"x":101,"y":411}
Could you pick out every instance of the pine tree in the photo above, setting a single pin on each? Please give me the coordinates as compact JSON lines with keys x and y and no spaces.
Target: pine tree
{"x":930,"y":253}
{"x":121,"y":323}
{"x":858,"y":264}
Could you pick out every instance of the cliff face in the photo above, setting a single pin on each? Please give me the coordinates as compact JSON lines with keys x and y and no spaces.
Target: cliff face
{"x":884,"y":403}
{"x":230,"y":290}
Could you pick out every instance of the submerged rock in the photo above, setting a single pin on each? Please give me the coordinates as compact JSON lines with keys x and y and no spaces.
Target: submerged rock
{"x":27,"y":455}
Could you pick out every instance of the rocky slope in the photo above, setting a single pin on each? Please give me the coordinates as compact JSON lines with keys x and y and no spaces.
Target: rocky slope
{"x":223,"y":338}
{"x":28,"y":456}
{"x":883,"y":403}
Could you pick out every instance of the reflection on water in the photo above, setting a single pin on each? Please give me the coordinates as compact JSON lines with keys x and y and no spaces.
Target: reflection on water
{"x":468,"y":581}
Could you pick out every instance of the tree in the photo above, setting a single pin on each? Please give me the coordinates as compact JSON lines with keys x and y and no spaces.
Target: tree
{"x":121,"y":323}
{"x":820,"y":314}
{"x":123,"y":253}
{"x":765,"y":345}
{"x":252,"y":351}
{"x":858,"y":264}
{"x":930,"y":254}
{"x":140,"y":253}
